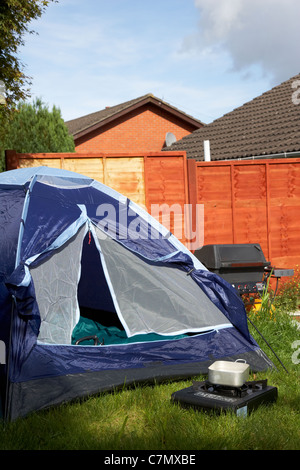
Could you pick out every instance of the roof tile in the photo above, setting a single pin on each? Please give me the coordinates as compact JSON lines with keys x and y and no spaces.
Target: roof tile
{"x":84,"y":123}
{"x":267,"y":125}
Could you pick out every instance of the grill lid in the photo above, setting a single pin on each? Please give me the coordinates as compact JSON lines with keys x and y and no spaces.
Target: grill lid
{"x":232,"y":256}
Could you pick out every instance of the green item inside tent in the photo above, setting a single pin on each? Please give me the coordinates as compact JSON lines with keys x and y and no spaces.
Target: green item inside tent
{"x":111,"y":335}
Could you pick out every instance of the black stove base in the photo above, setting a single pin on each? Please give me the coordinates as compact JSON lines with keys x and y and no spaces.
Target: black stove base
{"x":241,"y":401}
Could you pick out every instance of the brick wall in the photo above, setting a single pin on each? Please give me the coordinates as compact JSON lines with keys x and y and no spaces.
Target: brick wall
{"x":142,"y":130}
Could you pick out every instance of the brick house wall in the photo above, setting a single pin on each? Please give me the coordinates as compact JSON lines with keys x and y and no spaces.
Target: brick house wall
{"x":141,"y":130}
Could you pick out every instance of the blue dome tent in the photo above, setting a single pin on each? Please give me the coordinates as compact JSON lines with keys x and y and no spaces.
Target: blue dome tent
{"x":95,"y":293}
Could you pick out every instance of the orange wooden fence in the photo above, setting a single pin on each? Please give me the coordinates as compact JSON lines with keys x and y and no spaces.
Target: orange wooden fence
{"x":253,"y":201}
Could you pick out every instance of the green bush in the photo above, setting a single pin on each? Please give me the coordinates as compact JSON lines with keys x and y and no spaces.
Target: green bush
{"x":35,"y":129}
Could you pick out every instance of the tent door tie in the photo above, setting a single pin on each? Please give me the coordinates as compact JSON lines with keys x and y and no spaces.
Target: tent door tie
{"x":190,"y":271}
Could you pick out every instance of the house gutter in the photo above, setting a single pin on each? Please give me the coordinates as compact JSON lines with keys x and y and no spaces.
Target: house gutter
{"x":274,"y":155}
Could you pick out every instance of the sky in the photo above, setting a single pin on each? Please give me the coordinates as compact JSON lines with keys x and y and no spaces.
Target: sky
{"x":205,"y":57}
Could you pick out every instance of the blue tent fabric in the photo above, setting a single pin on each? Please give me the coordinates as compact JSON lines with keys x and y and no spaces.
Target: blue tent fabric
{"x":47,"y":214}
{"x":225,"y":297}
{"x":54,"y":361}
{"x":41,"y":211}
{"x":11,"y":205}
{"x":22,"y":176}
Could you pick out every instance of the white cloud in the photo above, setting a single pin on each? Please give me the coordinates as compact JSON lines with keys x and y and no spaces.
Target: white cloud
{"x":93,"y":54}
{"x":262,"y":33}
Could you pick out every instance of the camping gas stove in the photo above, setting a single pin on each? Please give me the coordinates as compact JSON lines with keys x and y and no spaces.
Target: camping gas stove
{"x":241,"y":400}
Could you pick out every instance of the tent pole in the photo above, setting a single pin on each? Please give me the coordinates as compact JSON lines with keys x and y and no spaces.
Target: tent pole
{"x":13,"y":304}
{"x":23,"y":219}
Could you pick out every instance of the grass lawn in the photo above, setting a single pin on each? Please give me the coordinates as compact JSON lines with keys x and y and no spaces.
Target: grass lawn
{"x":144,"y":418}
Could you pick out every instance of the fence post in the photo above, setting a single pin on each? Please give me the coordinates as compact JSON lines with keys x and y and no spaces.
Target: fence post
{"x":192,"y":191}
{"x":232,"y":168}
{"x":11,"y":161}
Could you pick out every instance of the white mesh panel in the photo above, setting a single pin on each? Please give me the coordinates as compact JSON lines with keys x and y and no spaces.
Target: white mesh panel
{"x":55,"y":282}
{"x":155,"y":298}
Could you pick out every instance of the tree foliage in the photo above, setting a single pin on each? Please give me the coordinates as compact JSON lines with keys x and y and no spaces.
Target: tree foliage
{"x":15,"y":18}
{"x":35,"y":129}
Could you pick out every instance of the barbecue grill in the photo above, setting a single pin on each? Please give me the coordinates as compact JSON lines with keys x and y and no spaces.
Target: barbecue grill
{"x":244,"y":266}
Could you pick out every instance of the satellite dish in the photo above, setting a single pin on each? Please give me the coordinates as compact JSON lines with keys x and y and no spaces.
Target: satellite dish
{"x":170,"y":139}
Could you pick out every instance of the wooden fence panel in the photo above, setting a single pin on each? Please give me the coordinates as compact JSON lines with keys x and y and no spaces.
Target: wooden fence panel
{"x":249,"y":202}
{"x":126,"y":175}
{"x":255,"y":201}
{"x":166,"y":188}
{"x":284,"y":187}
{"x":50,"y":162}
{"x":92,"y":167}
{"x":212,"y":192}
